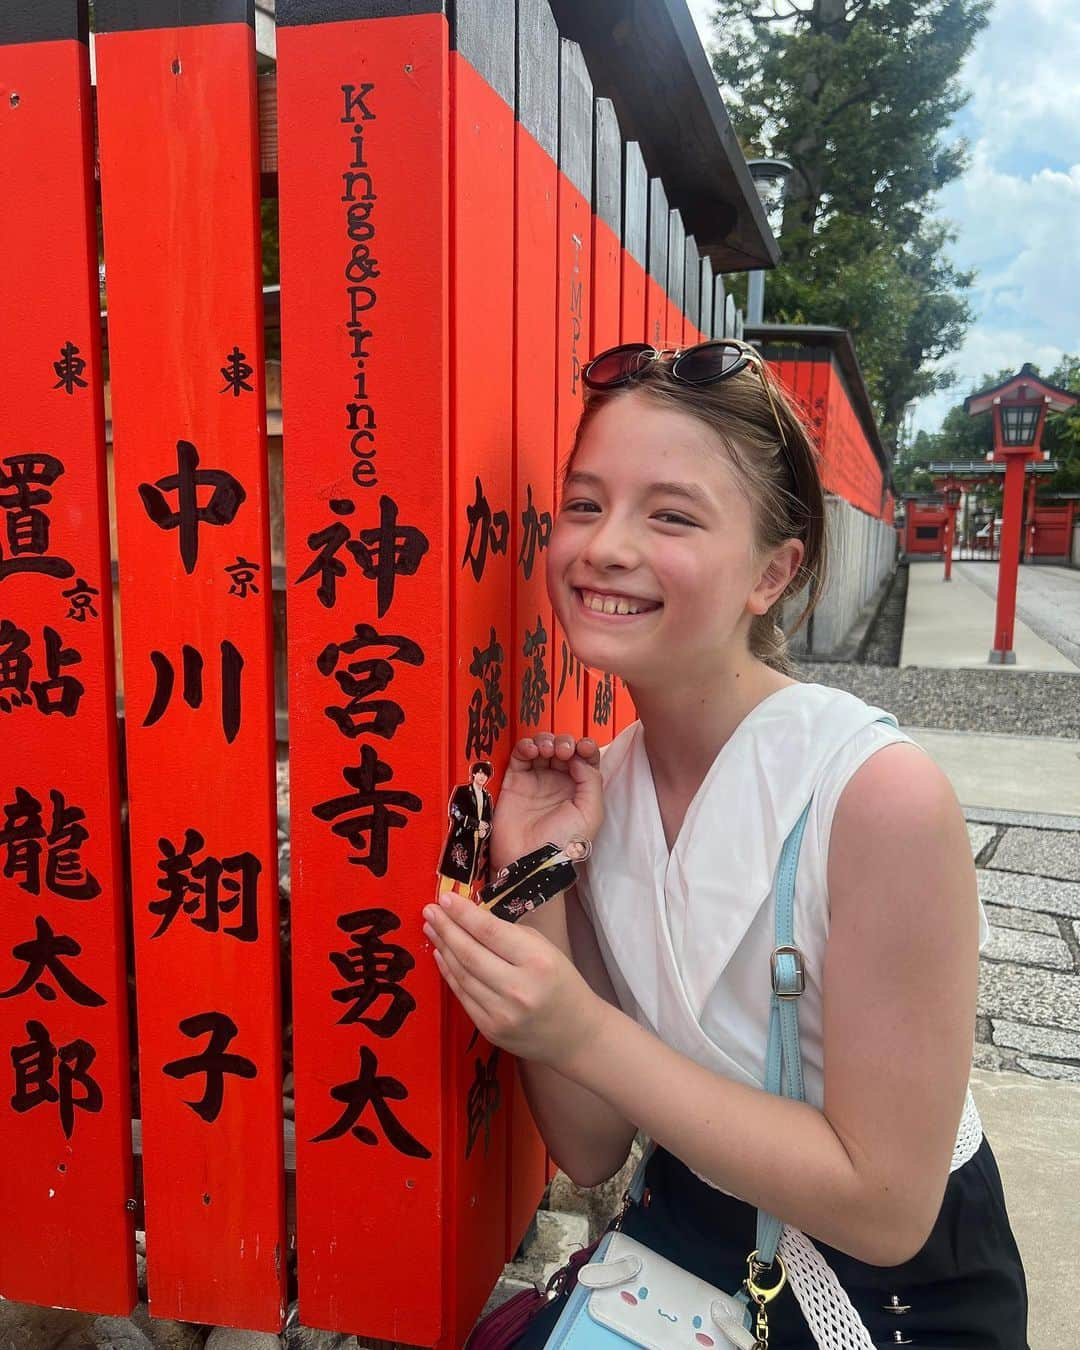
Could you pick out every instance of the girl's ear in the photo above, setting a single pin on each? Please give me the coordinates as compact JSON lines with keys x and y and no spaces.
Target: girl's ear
{"x":779,"y":570}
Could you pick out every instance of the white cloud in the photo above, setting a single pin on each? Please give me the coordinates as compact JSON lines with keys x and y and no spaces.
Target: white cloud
{"x":1017,"y":207}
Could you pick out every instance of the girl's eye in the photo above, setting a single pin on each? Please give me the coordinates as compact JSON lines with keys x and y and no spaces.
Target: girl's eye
{"x":674,"y":518}
{"x":580,"y":505}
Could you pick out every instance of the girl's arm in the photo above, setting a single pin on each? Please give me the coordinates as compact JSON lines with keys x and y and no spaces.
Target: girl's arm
{"x":585,"y":1136}
{"x":867,"y":1174}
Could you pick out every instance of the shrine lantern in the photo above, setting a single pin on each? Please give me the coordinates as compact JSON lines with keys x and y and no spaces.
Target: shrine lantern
{"x":1020,"y":406}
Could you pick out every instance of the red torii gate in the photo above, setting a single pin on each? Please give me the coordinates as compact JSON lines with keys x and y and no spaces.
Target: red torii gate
{"x":1020,"y":405}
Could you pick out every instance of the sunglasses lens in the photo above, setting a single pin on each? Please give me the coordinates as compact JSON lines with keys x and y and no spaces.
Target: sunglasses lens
{"x":616,"y":366}
{"x":701,"y":365}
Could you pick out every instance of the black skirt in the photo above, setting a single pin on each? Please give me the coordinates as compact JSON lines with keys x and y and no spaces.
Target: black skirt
{"x":965,"y":1288}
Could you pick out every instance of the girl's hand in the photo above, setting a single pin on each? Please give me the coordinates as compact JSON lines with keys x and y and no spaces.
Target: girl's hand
{"x":550,"y":791}
{"x":519,"y":990}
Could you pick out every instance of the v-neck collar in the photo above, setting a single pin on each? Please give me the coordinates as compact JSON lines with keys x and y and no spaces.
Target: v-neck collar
{"x":653,"y":800}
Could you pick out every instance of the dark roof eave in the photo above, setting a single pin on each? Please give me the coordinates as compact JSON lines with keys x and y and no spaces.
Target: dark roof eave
{"x":646,"y":56}
{"x":839,"y":342}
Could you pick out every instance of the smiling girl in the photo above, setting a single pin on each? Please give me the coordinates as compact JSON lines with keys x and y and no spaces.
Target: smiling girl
{"x":639,"y":999}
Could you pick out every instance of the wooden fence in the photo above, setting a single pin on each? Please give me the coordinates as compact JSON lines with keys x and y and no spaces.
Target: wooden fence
{"x":462,"y":221}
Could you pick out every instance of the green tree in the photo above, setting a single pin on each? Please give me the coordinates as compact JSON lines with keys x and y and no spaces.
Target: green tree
{"x":857,"y":95}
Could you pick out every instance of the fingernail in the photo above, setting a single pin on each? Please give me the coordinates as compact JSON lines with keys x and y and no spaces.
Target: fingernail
{"x":446,"y":901}
{"x":429,"y":912}
{"x":429,"y":931}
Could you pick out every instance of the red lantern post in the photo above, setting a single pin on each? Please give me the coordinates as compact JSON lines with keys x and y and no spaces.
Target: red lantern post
{"x":1019,"y":405}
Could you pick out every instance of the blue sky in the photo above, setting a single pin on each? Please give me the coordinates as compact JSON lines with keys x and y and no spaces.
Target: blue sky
{"x":1016,"y":210}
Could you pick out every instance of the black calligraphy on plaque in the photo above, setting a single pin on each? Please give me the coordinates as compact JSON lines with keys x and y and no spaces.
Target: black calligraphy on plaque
{"x":69,"y":369}
{"x":383,"y":553}
{"x":534,"y":680}
{"x":236,"y":372}
{"x":39,"y":1062}
{"x":220,"y":508}
{"x":487,"y":716}
{"x":368,"y":812}
{"x":25,"y":481}
{"x":602,"y":700}
{"x":577,"y":313}
{"x":362,"y":678}
{"x":213,"y":1061}
{"x":24,"y":839}
{"x":81,"y":596}
{"x":486,"y":531}
{"x":535,"y":534}
{"x":242,"y":577}
{"x":58,"y":693}
{"x":232,"y":666}
{"x":207,"y":889}
{"x":570,"y":669}
{"x":373,"y":970}
{"x":370,"y":1088}
{"x":43,"y":956}
{"x":483,"y":1100}
{"x":361,"y":272}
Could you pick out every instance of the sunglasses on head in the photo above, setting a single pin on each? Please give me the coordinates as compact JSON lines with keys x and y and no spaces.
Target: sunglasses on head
{"x":705,"y":363}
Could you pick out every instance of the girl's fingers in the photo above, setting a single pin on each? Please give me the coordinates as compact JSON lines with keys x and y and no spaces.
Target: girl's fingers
{"x":502,"y":939}
{"x":471,"y":955}
{"x":461,"y":982}
{"x":589,"y":751}
{"x":472,"y":1009}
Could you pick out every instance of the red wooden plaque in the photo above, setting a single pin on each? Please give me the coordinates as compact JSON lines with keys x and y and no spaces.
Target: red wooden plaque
{"x":601,"y":694}
{"x":480,"y":1076}
{"x":179,"y":163}
{"x":363,"y":153}
{"x":572,"y":325}
{"x":535,"y":241}
{"x":633,"y":286}
{"x":656,"y":299}
{"x":676,"y":278}
{"x":65,"y":1133}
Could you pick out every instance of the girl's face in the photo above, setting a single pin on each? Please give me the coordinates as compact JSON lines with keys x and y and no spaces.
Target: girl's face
{"x":651,"y":566}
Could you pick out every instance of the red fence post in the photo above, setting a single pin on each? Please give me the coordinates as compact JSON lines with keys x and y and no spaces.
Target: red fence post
{"x":179,"y":167}
{"x":66,"y":1188}
{"x":535,"y":283}
{"x":363,"y":186}
{"x":572,"y":322}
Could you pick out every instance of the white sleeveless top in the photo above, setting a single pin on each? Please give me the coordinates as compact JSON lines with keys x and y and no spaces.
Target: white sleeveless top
{"x":687,"y":936}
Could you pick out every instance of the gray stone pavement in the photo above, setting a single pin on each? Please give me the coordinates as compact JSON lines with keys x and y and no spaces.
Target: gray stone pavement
{"x":1029,"y":992}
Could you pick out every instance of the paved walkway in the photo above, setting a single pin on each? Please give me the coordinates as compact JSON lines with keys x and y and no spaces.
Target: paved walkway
{"x":950,"y":625}
{"x":1023,"y":773}
{"x":1047,"y":600}
{"x":1027,"y":1051}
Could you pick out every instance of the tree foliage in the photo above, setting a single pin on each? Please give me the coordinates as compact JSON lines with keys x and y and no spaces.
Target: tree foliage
{"x":857,"y":95}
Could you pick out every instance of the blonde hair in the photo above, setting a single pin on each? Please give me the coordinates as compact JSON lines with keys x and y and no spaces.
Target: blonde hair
{"x":781,"y":479}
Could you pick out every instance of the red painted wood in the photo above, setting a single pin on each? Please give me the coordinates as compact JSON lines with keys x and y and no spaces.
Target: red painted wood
{"x":67,"y":1236}
{"x":1012,"y":508}
{"x":482,"y":273}
{"x":572,"y":340}
{"x":601,"y":691}
{"x":179,"y":169}
{"x":632,"y":323}
{"x":532,"y":665}
{"x":633,"y":287}
{"x":373,"y":1210}
{"x":656,"y":312}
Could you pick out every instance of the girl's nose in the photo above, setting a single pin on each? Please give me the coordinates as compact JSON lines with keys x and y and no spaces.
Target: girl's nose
{"x":611,"y":544}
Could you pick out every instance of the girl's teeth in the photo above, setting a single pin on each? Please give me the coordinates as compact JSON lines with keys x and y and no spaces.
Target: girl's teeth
{"x":609,"y":605}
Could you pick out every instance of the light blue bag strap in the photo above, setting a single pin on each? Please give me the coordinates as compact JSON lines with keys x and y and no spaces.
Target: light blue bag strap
{"x":783,"y":1056}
